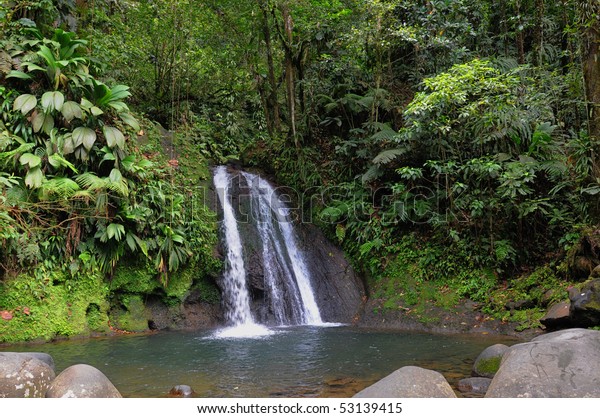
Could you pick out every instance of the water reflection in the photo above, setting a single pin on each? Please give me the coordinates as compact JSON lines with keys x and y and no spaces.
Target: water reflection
{"x":297,"y":361}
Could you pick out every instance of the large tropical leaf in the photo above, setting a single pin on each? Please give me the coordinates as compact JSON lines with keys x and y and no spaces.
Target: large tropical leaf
{"x":84,"y":136}
{"x":71,"y":110}
{"x":25,"y":103}
{"x":34,"y":178}
{"x":43,"y":121}
{"x":114,"y":137}
{"x":30,"y":159}
{"x":52,"y":100}
{"x":130,"y":120}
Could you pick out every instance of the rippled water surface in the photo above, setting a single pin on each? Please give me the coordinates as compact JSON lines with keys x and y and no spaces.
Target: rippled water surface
{"x":297,"y":361}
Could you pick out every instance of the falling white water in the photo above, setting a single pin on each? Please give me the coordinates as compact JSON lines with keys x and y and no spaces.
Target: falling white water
{"x":238,"y":313}
{"x":281,"y":256}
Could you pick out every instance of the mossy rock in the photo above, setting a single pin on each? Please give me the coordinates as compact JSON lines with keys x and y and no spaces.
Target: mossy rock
{"x":131,"y":316}
{"x":488,"y":362}
{"x":135,"y":278}
{"x":49,"y":305}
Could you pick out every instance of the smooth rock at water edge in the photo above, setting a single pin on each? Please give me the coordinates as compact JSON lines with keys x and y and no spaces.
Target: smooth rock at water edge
{"x":562,"y":364}
{"x":409,"y":382}
{"x":82,"y":381}
{"x":24,"y":376}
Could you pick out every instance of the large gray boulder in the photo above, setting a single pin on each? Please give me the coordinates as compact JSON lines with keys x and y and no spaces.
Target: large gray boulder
{"x":22,"y":375}
{"x":82,"y":381}
{"x":488,"y":362}
{"x":409,"y":382}
{"x":563,"y":364}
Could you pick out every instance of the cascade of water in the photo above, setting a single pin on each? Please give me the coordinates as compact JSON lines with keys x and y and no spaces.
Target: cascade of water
{"x":288,"y":290}
{"x":236,"y":297}
{"x":283,"y":263}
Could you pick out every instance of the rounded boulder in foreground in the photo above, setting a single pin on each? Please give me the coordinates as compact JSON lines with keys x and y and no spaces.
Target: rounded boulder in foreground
{"x":82,"y":381}
{"x":562,"y":364}
{"x":409,"y":382}
{"x":24,"y":376}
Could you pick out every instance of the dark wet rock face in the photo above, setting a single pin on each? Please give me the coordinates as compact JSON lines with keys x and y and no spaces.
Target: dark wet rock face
{"x":337,"y":288}
{"x":585,"y":304}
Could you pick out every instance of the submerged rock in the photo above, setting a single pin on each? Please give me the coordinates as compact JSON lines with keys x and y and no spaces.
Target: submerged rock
{"x":23,"y":375}
{"x":562,"y":364}
{"x":488,"y":362}
{"x":82,"y":381}
{"x":475,"y":385}
{"x":181,"y":391}
{"x":409,"y":382}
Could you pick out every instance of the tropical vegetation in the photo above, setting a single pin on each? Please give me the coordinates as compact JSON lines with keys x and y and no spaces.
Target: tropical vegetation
{"x":443,"y":144}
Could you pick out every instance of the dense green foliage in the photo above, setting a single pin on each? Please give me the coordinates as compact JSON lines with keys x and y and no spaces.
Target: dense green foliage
{"x":444,"y":144}
{"x":84,"y":188}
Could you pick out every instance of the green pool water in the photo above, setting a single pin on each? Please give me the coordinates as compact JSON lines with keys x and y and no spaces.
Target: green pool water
{"x":291,"y":362}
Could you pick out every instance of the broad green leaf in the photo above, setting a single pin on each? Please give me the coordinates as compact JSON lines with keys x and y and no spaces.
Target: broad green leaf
{"x":119,"y":92}
{"x":81,"y":153}
{"x":114,"y":137}
{"x":68,"y":145}
{"x":84,"y":136}
{"x":18,"y":74}
{"x":52,"y":100}
{"x":34,"y":178}
{"x":115,"y":175}
{"x":43,"y":122}
{"x":30,"y":159}
{"x":115,"y":231}
{"x":48,"y":56}
{"x":71,"y":110}
{"x":96,"y":111}
{"x":130,"y":120}
{"x":32,"y":67}
{"x":86,"y":104}
{"x":119,"y":106}
{"x":58,"y":161}
{"x":25,"y":103}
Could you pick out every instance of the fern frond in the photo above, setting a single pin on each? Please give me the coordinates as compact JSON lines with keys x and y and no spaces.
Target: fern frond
{"x":387,"y":156}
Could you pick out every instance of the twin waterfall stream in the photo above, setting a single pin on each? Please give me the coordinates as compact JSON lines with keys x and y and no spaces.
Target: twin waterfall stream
{"x":288,"y":293}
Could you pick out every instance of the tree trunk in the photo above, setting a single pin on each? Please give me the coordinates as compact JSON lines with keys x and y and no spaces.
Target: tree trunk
{"x":590,"y":24}
{"x":272,"y":104}
{"x":539,"y":32}
{"x":520,"y":34}
{"x":290,"y":77}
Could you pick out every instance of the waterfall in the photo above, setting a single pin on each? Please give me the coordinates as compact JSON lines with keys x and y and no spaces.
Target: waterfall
{"x":282,"y":255}
{"x":236,"y":297}
{"x":287,"y":296}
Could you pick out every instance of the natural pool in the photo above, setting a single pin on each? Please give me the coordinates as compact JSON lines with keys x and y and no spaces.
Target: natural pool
{"x":291,"y":362}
